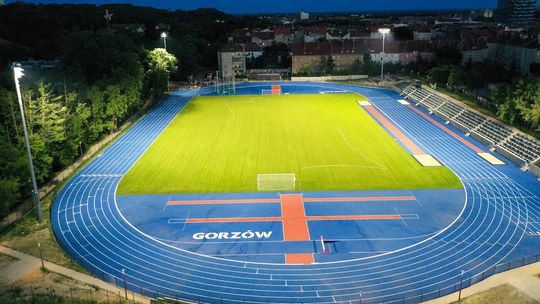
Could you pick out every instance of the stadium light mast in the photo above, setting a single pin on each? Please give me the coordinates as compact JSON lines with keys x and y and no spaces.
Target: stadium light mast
{"x":383,"y":31}
{"x":164,"y":36}
{"x":18,"y":73}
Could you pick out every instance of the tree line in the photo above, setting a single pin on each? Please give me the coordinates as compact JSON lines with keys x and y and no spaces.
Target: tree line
{"x":107,"y":72}
{"x":104,"y":78}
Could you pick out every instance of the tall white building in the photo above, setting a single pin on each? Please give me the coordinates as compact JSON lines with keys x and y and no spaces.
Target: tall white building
{"x":516,"y":12}
{"x":232,"y":60}
{"x":304,"y":15}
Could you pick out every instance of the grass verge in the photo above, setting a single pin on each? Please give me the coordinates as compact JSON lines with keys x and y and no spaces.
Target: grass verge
{"x":504,"y":294}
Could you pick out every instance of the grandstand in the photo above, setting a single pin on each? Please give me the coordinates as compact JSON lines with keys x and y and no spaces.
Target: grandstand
{"x":449,"y":110}
{"x":523,"y":147}
{"x":518,"y":147}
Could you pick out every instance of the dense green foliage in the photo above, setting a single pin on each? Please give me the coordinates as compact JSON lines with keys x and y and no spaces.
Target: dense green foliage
{"x":107,"y":70}
{"x":516,"y":100}
{"x":105,"y":75}
{"x":220,"y":144}
{"x":472,"y":76}
{"x":41,"y":31}
{"x":274,"y":56}
{"x":160,"y":65}
{"x":518,"y":103}
{"x":403,"y":33}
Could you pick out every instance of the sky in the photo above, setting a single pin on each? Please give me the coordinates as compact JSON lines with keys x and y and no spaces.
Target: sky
{"x":273,"y":6}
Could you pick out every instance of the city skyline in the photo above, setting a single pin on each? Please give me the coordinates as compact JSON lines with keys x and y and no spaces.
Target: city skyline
{"x":285,"y":6}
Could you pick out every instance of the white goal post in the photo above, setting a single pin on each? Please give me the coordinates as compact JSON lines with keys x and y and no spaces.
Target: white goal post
{"x":276,"y":182}
{"x":267,"y":92}
{"x":275,"y":90}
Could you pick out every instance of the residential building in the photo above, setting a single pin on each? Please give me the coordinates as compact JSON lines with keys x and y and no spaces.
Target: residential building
{"x":519,"y":58}
{"x":347,"y":52}
{"x":516,"y":12}
{"x":232,"y":59}
{"x":473,"y":45}
{"x":315,"y":33}
{"x":284,"y":35}
{"x":252,"y":51}
{"x":263,"y":37}
{"x":310,"y":54}
{"x":338,"y":34}
{"x":241,"y":36}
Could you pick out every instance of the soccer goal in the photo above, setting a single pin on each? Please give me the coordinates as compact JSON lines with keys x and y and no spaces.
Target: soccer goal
{"x":276,"y":90}
{"x":276,"y":182}
{"x":225,"y":84}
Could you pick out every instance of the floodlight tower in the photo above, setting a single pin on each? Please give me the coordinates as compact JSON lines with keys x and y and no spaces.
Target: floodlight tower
{"x":18,"y":73}
{"x":383,"y":31}
{"x":164,"y":36}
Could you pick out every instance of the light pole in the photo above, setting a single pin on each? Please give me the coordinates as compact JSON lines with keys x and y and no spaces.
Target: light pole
{"x":125,"y":285}
{"x":41,"y":256}
{"x":164,"y":36}
{"x":460,"y":285}
{"x":383,"y":31}
{"x":18,"y":73}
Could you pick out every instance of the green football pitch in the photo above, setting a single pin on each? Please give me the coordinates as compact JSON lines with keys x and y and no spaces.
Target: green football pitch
{"x":221,"y":144}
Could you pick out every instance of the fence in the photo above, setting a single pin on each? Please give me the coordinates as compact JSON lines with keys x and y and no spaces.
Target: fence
{"x":329,"y":78}
{"x":27,"y":205}
{"x":408,"y":298}
{"x":55,"y":295}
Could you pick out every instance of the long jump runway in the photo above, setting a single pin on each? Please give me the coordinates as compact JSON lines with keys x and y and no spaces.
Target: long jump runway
{"x":174,"y":247}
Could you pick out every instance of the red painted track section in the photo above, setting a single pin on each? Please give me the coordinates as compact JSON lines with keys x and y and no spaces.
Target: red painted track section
{"x":397,"y":133}
{"x":445,"y":129}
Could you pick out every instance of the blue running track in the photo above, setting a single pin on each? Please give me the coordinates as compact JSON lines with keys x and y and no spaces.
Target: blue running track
{"x":498,"y":228}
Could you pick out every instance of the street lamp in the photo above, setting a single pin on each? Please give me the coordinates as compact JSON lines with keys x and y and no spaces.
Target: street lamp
{"x":18,"y":73}
{"x":383,"y":31}
{"x":164,"y":36}
{"x":460,"y":285}
{"x":124,"y":278}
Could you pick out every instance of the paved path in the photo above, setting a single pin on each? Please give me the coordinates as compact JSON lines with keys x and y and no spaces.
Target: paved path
{"x":524,"y":279}
{"x":27,"y":264}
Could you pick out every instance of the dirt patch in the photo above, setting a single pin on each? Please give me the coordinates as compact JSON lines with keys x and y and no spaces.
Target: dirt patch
{"x":5,"y":260}
{"x":504,"y":294}
{"x":26,"y":234}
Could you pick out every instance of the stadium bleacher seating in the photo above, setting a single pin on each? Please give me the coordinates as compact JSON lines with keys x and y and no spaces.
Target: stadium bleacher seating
{"x":499,"y":135}
{"x":524,"y":147}
{"x":450,"y":110}
{"x":494,"y":132}
{"x":470,"y":120}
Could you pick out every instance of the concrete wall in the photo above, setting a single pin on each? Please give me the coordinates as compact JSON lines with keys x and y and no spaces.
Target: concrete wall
{"x":329,"y":78}
{"x":535,"y":169}
{"x":342,"y":61}
{"x":387,"y":57}
{"x":510,"y":156}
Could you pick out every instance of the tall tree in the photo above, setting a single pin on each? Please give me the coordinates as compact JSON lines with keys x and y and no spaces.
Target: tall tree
{"x":160,"y":65}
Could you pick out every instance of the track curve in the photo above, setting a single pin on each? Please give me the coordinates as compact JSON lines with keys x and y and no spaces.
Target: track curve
{"x":502,"y":207}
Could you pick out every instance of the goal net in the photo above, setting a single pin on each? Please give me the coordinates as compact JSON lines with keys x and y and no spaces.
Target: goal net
{"x":225,"y":84}
{"x":276,"y":182}
{"x":276,"y":90}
